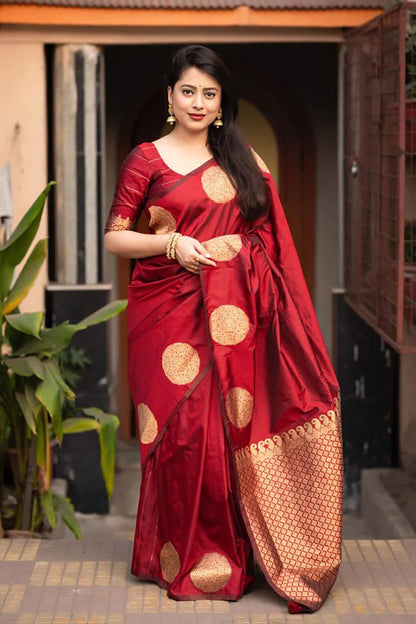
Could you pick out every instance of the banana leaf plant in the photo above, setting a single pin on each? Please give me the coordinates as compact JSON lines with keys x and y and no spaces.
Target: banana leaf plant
{"x":32,"y":386}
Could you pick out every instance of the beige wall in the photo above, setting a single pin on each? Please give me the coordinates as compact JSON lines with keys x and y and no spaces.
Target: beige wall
{"x":261,"y":136}
{"x":23,"y":135}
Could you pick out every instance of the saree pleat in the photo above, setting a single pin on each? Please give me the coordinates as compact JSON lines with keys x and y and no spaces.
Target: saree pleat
{"x":237,"y":403}
{"x":189,"y":533}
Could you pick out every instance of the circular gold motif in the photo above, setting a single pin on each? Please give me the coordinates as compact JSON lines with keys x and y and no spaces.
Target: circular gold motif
{"x":239,"y":406}
{"x":260,"y":162}
{"x":224,"y":247}
{"x":228,"y":325}
{"x":216,"y":185}
{"x":211,"y":573}
{"x":147,"y":424}
{"x":170,"y":563}
{"x":180,"y":362}
{"x":161,"y":221}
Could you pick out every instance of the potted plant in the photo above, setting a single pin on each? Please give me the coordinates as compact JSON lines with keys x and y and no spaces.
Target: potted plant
{"x":32,"y":386}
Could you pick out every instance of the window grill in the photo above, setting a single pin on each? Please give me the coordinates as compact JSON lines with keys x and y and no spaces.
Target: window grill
{"x":380,"y":180}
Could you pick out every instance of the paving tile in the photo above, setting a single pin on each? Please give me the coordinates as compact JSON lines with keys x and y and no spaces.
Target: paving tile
{"x":69,"y":582}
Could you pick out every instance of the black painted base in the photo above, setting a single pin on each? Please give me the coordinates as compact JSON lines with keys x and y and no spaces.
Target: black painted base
{"x":367,"y":369}
{"x":78,"y":459}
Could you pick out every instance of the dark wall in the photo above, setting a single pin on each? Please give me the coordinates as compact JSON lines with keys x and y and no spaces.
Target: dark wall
{"x":367,"y":369}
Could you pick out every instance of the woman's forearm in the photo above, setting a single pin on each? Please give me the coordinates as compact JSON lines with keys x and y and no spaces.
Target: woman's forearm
{"x":129,"y":244}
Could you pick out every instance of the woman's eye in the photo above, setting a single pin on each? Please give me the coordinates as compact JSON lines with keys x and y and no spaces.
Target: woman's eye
{"x":186,"y":91}
{"x":210,"y":94}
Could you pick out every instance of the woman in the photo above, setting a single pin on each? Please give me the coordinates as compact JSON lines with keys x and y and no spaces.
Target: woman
{"x":236,"y":399}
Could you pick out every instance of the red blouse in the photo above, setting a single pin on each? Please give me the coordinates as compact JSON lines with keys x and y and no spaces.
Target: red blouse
{"x":143,"y":173}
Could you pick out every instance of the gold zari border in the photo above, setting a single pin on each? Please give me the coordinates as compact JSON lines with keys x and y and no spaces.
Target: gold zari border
{"x":291,"y":488}
{"x":283,"y":442}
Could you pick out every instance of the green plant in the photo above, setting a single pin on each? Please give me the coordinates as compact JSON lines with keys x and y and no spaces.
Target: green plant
{"x":32,"y":386}
{"x":73,"y":362}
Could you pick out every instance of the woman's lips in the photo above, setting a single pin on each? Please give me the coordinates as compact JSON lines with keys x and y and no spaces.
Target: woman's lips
{"x":196,"y":117}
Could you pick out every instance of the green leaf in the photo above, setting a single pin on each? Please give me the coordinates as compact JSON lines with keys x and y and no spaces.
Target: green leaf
{"x":30,"y":396}
{"x":65,"y":509}
{"x":49,"y":508}
{"x":26,"y":366}
{"x":104,"y":314}
{"x":53,"y":366}
{"x":28,"y":323}
{"x":52,"y":340}
{"x":49,"y":394}
{"x":27,"y":412}
{"x":26,"y":277}
{"x":14,"y":338}
{"x":107,"y":437}
{"x":55,"y":339}
{"x":79,"y":424}
{"x":16,"y":247}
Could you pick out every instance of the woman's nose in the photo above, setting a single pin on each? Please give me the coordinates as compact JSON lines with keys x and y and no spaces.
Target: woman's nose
{"x":198,"y":100}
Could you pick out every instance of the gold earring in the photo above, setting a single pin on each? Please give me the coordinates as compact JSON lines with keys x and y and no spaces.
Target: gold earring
{"x":171,"y":119}
{"x":218,"y":123}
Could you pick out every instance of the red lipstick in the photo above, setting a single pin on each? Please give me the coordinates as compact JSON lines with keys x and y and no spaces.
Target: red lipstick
{"x":196,"y":117}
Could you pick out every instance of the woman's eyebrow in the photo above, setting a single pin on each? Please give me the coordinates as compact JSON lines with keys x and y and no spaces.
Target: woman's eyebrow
{"x":205,"y":88}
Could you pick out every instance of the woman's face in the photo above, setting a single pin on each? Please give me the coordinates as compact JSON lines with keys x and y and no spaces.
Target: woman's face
{"x":195,"y":98}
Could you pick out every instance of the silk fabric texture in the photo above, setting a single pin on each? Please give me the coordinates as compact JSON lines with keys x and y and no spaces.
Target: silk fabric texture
{"x":237,"y":403}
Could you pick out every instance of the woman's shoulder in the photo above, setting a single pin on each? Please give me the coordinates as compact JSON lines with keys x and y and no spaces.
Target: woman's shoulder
{"x":260,"y":162}
{"x":144,"y":150}
{"x":142,"y":157}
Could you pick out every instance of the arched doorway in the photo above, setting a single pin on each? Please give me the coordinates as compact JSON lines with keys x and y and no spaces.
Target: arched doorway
{"x":276,"y":124}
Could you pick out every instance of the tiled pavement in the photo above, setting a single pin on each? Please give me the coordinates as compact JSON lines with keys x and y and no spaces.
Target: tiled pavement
{"x":88,"y":582}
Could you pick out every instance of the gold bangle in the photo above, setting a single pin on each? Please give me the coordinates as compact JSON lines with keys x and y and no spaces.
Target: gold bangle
{"x":170,"y":249}
{"x":173,"y":246}
{"x":169,"y":245}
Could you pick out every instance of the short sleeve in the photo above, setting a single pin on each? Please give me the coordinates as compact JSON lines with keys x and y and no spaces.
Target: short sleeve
{"x":130,"y":194}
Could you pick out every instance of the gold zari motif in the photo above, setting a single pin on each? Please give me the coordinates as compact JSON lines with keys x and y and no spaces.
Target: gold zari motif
{"x":217,"y":185}
{"x":180,"y":362}
{"x":278,"y":444}
{"x":293,"y":511}
{"x":228,"y":325}
{"x":239,"y":406}
{"x":170,"y":562}
{"x":116,"y":223}
{"x":161,"y":220}
{"x":147,"y":424}
{"x":224,"y":248}
{"x":211,"y":573}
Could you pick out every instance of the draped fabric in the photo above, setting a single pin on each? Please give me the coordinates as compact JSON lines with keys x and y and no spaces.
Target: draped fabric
{"x":237,"y":403}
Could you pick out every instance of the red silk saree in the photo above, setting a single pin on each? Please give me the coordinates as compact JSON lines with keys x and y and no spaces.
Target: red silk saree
{"x":237,"y":403}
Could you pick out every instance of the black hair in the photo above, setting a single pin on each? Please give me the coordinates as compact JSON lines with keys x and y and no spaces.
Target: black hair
{"x":227,"y":144}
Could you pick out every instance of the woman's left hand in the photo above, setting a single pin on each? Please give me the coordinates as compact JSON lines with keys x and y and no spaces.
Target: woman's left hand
{"x":190,"y":253}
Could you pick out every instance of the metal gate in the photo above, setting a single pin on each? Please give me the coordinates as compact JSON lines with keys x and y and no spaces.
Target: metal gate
{"x":380,"y":175}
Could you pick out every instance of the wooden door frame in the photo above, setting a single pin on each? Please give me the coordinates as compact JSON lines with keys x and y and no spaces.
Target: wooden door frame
{"x":293,"y":130}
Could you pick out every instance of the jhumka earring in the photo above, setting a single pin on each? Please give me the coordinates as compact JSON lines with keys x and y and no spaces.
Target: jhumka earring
{"x":171,"y":119}
{"x":218,"y":123}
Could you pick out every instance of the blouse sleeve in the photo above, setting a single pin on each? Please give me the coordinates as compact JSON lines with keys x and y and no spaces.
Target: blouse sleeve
{"x":130,"y":194}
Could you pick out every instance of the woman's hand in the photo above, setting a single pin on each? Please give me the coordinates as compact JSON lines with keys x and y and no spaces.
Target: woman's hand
{"x":190,"y":253}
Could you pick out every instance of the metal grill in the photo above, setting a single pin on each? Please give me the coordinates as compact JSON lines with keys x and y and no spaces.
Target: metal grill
{"x":380,"y":189}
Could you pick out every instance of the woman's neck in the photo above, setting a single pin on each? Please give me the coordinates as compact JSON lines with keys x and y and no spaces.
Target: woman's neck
{"x":190,"y":139}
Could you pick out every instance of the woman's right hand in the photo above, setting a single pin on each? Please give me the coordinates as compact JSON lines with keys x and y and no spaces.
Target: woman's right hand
{"x":190,"y":253}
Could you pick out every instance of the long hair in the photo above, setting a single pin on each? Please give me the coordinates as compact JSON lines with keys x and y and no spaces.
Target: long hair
{"x":227,"y":144}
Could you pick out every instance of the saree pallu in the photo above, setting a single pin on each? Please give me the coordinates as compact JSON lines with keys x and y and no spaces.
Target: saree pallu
{"x":238,"y":406}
